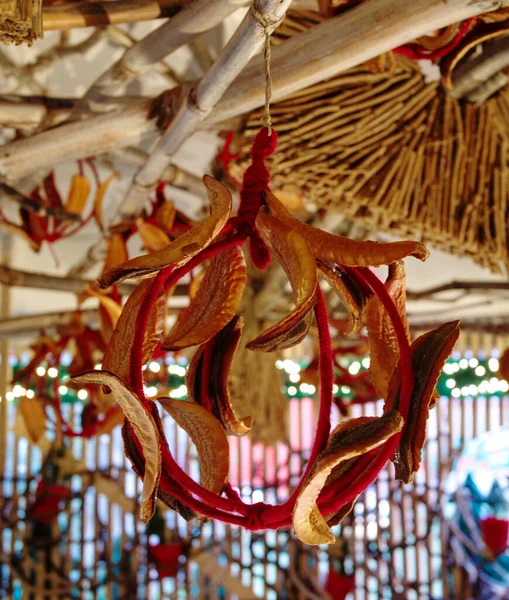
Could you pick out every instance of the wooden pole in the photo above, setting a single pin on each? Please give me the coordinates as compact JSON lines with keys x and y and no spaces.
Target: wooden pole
{"x":324,"y":51}
{"x":194,"y":19}
{"x":71,"y":15}
{"x":197,"y":102}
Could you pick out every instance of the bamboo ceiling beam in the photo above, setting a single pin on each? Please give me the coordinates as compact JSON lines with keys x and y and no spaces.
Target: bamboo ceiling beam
{"x":70,"y":15}
{"x":195,"y":18}
{"x":34,"y":323}
{"x":17,"y":278}
{"x":195,"y":103}
{"x":470,"y":286}
{"x":326,"y":50}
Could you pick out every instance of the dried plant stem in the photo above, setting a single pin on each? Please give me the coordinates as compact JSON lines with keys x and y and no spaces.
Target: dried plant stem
{"x":199,"y":102}
{"x":30,"y":112}
{"x":94,"y":14}
{"x":323,"y":52}
{"x":195,"y":18}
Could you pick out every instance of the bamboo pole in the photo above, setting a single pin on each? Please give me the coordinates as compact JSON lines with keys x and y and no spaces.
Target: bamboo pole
{"x":96,"y":14}
{"x":327,"y":49}
{"x":16,"y":278}
{"x":194,"y":19}
{"x":4,"y":357}
{"x":198,"y":102}
{"x":34,"y":323}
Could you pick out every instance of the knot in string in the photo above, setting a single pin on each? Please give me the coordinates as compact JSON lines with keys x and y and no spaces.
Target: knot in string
{"x":256,"y":516}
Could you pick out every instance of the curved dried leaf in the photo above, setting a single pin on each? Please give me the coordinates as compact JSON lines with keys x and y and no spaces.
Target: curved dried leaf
{"x":34,"y":417}
{"x":165,"y":216}
{"x":429,"y":353}
{"x":349,"y":439}
{"x":480,"y":34}
{"x":112,"y":307}
{"x":208,"y":436}
{"x":118,"y":353}
{"x":98,"y":201}
{"x":116,"y":253}
{"x":143,"y":426}
{"x":185,"y":246}
{"x":439,"y":38}
{"x":152,"y":236}
{"x":195,"y":284}
{"x":383,"y":344}
{"x":344,"y":251}
{"x":223,"y":348}
{"x":293,"y":254}
{"x":350,"y":294}
{"x":78,"y":195}
{"x":215,"y":304}
{"x":138,"y":463}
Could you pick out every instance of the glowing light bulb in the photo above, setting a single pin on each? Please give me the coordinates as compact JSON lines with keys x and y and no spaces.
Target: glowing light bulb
{"x":151,"y":391}
{"x":294,"y":377}
{"x":52,"y":372}
{"x":63,"y":390}
{"x":450,"y":383}
{"x":292,"y":390}
{"x":154,"y":367}
{"x":30,"y":394}
{"x":456,"y":393}
{"x":473,"y":362}
{"x":41,"y":371}
{"x":354,"y":368}
{"x":480,"y":371}
{"x":82,"y":394}
{"x":493,"y":364}
{"x":463,"y":363}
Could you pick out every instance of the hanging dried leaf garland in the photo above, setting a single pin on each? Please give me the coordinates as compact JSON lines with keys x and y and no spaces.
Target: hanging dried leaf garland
{"x":359,"y":449}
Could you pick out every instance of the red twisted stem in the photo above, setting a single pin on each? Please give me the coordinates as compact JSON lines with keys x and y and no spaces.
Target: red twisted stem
{"x":349,"y":486}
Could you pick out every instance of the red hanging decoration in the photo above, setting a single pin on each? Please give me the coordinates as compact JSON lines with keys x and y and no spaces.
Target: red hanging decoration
{"x":495,"y":534}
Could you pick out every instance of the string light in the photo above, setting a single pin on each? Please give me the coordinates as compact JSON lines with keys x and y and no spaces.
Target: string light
{"x":82,"y":394}
{"x":493,"y":364}
{"x":294,"y":377}
{"x":154,"y":367}
{"x":52,"y":372}
{"x":63,"y":389}
{"x":41,"y":371}
{"x":30,"y":394}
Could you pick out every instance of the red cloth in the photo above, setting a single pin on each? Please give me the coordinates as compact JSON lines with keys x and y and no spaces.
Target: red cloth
{"x":46,"y":507}
{"x":339,"y":586}
{"x":166,"y":558}
{"x":495,"y":533}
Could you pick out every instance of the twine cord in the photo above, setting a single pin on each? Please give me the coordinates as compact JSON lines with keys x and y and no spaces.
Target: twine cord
{"x":268,"y":24}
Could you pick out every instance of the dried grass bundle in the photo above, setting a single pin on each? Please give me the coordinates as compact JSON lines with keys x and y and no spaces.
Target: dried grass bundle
{"x":398,"y":155}
{"x":20,"y":21}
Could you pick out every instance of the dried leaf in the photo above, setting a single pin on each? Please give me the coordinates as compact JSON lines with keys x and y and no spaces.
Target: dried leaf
{"x":138,"y":463}
{"x":195,"y":284}
{"x":223,"y":348}
{"x":145,"y":429}
{"x":78,"y":195}
{"x":294,"y":256}
{"x":429,"y":353}
{"x":118,"y":353}
{"x":343,"y":251}
{"x":215,"y":304}
{"x":208,"y":436}
{"x":98,"y":201}
{"x":152,"y":236}
{"x":383,"y":344}
{"x":116,"y":253}
{"x":349,"y":439}
{"x":165,"y":216}
{"x":185,"y":246}
{"x":351,"y":296}
{"x":292,"y":200}
{"x":34,"y":417}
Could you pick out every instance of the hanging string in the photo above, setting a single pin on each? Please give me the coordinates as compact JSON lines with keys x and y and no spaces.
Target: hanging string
{"x":268,"y":26}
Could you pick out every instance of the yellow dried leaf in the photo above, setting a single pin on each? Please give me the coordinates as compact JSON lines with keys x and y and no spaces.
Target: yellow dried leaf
{"x":143,"y":426}
{"x":116,"y":253}
{"x":383,"y":344}
{"x":195,"y":284}
{"x":215,"y":304}
{"x":152,"y":236}
{"x":98,"y":201}
{"x":78,"y":195}
{"x":292,"y":253}
{"x":350,"y":439}
{"x":208,"y":436}
{"x":165,"y":216}
{"x":185,"y":246}
{"x":344,"y":251}
{"x":349,"y":293}
{"x":429,"y":353}
{"x":34,"y":417}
